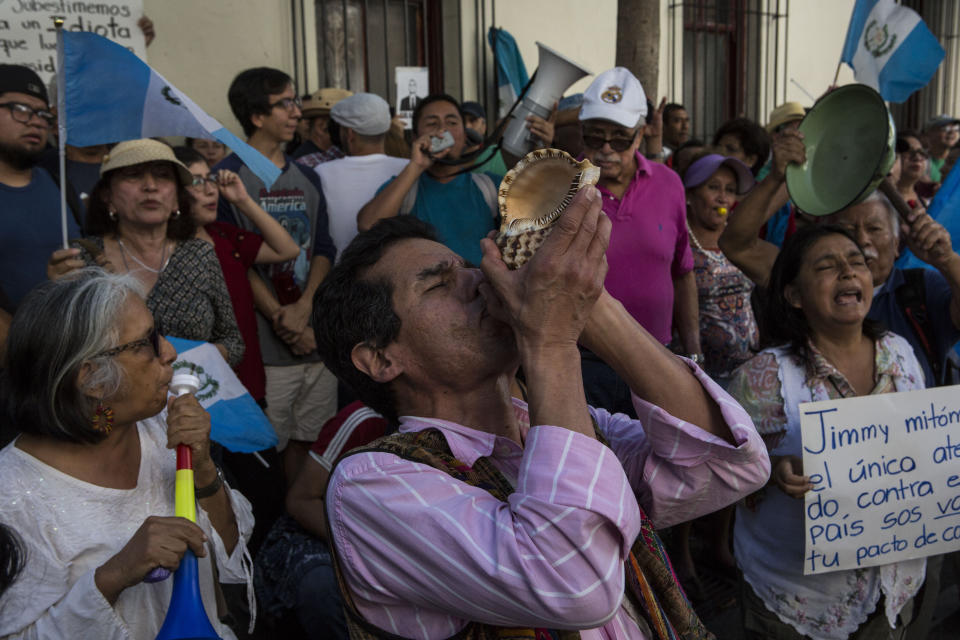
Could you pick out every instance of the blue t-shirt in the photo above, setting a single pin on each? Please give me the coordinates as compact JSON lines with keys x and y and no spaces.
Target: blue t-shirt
{"x":886,"y":310}
{"x":457,"y":210}
{"x":29,"y":233}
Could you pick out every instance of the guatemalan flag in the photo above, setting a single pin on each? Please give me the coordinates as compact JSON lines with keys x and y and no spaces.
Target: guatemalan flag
{"x":111,"y":95}
{"x":890,"y":49}
{"x":236,"y":420}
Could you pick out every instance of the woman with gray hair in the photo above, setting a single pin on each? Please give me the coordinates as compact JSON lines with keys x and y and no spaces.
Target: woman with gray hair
{"x":89,"y":482}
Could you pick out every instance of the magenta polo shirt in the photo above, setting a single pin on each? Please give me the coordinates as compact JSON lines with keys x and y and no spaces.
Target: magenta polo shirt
{"x":648,"y":245}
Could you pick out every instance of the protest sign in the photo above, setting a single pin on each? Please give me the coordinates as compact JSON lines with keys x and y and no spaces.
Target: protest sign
{"x":886,"y":475}
{"x":28,"y":37}
{"x":413,"y":85}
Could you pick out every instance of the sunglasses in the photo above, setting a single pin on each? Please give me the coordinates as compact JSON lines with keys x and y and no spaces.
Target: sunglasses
{"x":152,"y":339}
{"x":618,"y":144}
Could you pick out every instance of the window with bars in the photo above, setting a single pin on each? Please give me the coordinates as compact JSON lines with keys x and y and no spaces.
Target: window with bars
{"x":361,"y":42}
{"x":729,"y":55}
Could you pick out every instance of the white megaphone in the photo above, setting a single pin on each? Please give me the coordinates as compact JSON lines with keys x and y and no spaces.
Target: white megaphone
{"x":554,"y":75}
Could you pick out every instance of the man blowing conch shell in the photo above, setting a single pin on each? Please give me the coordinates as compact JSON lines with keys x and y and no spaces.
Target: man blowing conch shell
{"x":484,"y":512}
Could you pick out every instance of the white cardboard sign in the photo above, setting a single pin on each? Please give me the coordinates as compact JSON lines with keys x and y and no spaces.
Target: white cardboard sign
{"x":28,"y":37}
{"x":886,"y":474}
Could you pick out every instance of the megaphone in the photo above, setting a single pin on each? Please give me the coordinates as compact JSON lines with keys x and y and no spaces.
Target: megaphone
{"x":554,"y":75}
{"x":849,"y":137}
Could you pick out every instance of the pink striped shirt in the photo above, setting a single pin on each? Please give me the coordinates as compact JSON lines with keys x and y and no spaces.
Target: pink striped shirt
{"x":424,"y":554}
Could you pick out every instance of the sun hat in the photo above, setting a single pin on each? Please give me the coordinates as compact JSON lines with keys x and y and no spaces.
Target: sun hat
{"x":321,"y":101}
{"x":615,"y":95}
{"x":786,"y":112}
{"x":701,"y":170}
{"x":131,"y":152}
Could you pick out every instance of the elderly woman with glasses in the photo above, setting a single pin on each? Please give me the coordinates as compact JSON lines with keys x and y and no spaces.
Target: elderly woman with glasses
{"x":138,"y":217}
{"x":89,"y":482}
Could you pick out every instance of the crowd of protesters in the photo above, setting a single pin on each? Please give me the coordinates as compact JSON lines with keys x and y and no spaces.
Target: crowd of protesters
{"x":515,"y":438}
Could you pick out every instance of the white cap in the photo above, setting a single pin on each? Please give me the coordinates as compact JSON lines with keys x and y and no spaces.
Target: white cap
{"x":615,"y":95}
{"x":366,"y":113}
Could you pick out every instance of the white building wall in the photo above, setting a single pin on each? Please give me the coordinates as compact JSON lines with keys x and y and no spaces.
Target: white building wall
{"x":585,"y":32}
{"x":200,"y":47}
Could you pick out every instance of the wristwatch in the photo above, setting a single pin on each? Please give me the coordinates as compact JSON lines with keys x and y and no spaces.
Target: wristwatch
{"x":696,"y":357}
{"x":210,"y":489}
{"x":657,"y":156}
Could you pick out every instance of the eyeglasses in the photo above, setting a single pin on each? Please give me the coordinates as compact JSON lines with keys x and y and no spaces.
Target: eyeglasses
{"x":199,"y":182}
{"x":24,"y":113}
{"x":923,"y":154}
{"x":618,"y":144}
{"x":953,"y":128}
{"x":287,"y":103}
{"x":152,"y":339}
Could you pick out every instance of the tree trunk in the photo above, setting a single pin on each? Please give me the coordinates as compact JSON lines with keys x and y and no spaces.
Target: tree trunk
{"x":638,"y":41}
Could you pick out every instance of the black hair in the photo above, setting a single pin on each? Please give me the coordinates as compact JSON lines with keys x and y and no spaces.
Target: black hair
{"x":753,"y":138}
{"x":430,"y":99}
{"x":782,"y":322}
{"x":188,"y":155}
{"x":670,"y":108}
{"x":11,"y":557}
{"x":351,"y":308}
{"x":902,"y":145}
{"x":99,"y":223}
{"x":250,"y":92}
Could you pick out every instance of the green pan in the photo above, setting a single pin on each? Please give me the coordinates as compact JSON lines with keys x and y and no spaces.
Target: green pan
{"x":849,"y":137}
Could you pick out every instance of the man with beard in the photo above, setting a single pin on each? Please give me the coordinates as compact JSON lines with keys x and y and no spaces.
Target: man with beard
{"x":651,"y":265}
{"x":462,"y":207}
{"x":29,"y":195}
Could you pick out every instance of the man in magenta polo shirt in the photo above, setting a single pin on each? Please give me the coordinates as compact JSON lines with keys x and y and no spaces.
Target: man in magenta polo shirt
{"x":651,"y":266}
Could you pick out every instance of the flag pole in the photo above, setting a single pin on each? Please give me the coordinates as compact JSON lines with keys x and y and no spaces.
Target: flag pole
{"x":836,"y":76}
{"x":62,"y":129}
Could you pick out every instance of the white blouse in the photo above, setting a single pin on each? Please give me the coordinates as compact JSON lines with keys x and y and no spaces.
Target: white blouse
{"x":69,"y":528}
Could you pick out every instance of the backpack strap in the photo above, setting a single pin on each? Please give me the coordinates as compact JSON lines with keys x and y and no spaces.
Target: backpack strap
{"x":410,"y":199}
{"x":488,"y":190}
{"x":912,"y":298}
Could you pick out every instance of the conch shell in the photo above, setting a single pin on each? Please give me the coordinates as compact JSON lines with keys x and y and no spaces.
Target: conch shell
{"x":533,"y":195}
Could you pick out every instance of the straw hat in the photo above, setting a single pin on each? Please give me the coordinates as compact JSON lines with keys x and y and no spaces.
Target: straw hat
{"x":785,"y":113}
{"x":320,"y":102}
{"x":131,"y":152}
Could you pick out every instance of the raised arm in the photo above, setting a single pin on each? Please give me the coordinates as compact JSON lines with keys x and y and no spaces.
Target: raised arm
{"x":386,"y":204}
{"x":739,"y":241}
{"x":278,"y":245}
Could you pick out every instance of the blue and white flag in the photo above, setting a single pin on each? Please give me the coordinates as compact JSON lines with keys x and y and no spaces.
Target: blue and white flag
{"x":112,"y":95}
{"x":236,"y":420}
{"x":890,"y":49}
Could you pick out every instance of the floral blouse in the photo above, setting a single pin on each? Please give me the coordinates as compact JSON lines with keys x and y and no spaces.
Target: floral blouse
{"x":769,"y":530}
{"x":728,"y":329}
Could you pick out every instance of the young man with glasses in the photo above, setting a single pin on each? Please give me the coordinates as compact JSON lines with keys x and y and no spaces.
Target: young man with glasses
{"x":29,"y":195}
{"x":301,"y":394}
{"x":649,"y":254}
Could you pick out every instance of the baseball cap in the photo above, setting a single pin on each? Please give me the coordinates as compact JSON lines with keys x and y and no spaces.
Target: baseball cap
{"x":320,"y":102}
{"x":366,"y":113}
{"x":701,"y":170}
{"x":15,"y":77}
{"x":615,"y":95}
{"x":786,"y":112}
{"x":475,"y":109}
{"x":131,"y":152}
{"x":939,"y":121}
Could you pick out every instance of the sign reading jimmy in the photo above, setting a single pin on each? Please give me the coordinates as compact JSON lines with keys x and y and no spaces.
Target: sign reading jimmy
{"x":413,"y":85}
{"x":885,"y":471}
{"x":28,"y":37}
